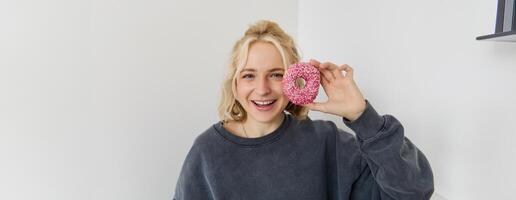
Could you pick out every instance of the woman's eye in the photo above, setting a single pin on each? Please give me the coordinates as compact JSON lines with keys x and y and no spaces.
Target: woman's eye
{"x":246,"y":76}
{"x":277,"y":75}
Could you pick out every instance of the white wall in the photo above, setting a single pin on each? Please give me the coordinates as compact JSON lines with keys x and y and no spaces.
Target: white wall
{"x":419,"y":61}
{"x":103,"y":99}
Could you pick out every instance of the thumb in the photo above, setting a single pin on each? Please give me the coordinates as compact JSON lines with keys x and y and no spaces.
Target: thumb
{"x":315,"y":106}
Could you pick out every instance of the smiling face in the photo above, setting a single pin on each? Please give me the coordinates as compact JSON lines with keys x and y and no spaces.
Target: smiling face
{"x":258,"y":85}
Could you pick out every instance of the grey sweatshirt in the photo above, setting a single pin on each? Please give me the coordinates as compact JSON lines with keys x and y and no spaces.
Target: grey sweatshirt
{"x":308,"y":159}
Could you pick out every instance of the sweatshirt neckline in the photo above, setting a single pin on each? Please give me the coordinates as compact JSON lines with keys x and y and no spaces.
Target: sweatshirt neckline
{"x":269,"y":138}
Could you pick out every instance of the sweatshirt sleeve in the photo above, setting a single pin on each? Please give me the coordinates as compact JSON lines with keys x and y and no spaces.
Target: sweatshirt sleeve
{"x":192,"y":184}
{"x":392,"y":167}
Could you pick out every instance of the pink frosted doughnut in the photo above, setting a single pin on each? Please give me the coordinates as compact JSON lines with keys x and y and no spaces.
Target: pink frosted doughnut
{"x":312,"y":79}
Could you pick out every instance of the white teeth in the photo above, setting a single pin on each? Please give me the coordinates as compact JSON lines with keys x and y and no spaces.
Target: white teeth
{"x":262,"y":103}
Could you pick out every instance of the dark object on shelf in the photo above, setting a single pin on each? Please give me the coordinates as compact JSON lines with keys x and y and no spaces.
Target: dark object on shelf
{"x":499,"y":16}
{"x":509,"y":36}
{"x":505,"y":29}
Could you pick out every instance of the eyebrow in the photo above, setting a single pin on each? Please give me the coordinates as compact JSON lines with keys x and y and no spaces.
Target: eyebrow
{"x":271,"y":70}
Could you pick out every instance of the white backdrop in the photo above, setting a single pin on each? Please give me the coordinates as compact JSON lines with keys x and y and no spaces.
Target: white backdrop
{"x":103,"y":99}
{"x":419,"y":61}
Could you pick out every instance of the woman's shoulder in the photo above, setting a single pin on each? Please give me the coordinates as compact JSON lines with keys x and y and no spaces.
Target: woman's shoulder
{"x":206,"y":137}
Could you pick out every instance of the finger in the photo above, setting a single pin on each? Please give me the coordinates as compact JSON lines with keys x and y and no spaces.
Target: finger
{"x":324,"y":82}
{"x":317,"y":65}
{"x":340,"y":72}
{"x":329,"y":66}
{"x":337,"y":72}
{"x":326,"y":75}
{"x":326,"y":70}
{"x":315,"y":62}
{"x":315,"y":106}
{"x":347,"y":69}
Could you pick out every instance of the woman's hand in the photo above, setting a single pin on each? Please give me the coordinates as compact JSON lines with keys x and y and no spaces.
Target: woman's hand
{"x":344,"y":97}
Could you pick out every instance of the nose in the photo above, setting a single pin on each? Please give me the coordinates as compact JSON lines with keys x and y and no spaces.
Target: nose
{"x":263,"y":87}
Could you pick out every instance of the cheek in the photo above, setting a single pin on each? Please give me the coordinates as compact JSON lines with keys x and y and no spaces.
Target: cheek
{"x":243,"y":90}
{"x":279,"y":88}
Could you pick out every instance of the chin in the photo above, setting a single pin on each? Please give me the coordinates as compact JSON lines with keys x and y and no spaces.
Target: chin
{"x":265,"y":118}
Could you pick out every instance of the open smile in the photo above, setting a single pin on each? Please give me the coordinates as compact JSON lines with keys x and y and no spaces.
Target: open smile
{"x":264,"y":105}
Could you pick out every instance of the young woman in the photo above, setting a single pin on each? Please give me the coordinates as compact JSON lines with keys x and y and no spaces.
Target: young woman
{"x":267,"y":148}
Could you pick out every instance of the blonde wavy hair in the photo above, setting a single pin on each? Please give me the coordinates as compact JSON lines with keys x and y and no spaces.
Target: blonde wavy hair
{"x":265,"y":31}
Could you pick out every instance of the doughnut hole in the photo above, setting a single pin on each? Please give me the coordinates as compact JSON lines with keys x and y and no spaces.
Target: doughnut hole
{"x":300,"y":83}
